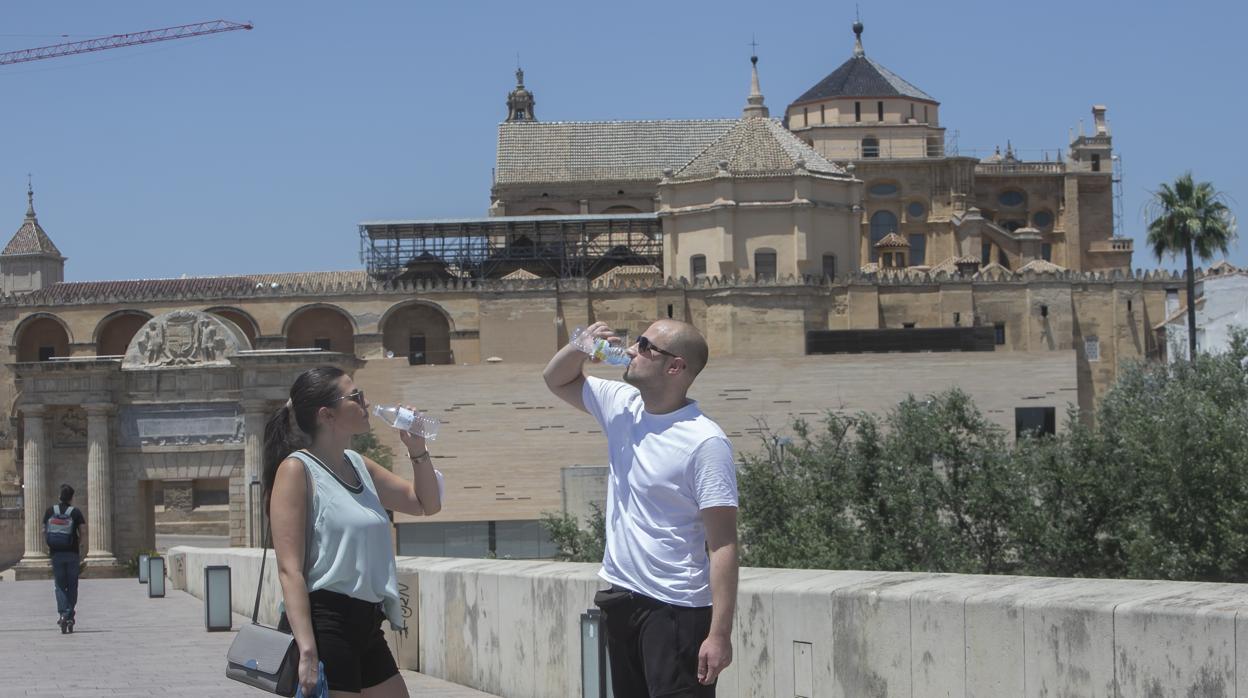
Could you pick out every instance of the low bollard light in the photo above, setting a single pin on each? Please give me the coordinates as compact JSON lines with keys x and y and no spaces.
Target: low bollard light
{"x":595,"y":672}
{"x":155,"y":577}
{"x":217,"y":612}
{"x":143,"y":558}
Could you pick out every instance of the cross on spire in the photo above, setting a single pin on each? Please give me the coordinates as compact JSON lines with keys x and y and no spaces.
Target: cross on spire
{"x":30,"y":197}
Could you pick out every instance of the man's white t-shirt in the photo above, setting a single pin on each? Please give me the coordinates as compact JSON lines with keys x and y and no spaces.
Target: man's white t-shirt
{"x":664,"y":469}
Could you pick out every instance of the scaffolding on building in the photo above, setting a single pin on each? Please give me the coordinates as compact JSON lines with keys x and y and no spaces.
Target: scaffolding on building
{"x":583,"y":246}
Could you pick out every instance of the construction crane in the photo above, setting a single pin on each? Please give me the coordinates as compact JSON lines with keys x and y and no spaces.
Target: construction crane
{"x":104,"y":43}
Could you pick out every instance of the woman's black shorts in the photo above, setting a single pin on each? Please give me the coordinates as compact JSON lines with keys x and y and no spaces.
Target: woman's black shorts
{"x":350,"y":642}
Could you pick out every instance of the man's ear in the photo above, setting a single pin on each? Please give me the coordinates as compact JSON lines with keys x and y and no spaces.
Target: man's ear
{"x":677,"y":365}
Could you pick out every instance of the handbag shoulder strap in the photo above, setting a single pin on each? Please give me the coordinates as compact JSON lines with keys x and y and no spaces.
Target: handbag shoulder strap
{"x":264,"y":555}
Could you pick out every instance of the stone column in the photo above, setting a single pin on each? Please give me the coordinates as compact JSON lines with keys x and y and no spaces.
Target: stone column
{"x":99,"y":487}
{"x":35,"y":479}
{"x":255,"y":413}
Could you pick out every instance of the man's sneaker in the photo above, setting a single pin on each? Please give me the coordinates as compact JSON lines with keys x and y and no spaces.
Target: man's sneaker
{"x":70,"y":625}
{"x":64,"y":625}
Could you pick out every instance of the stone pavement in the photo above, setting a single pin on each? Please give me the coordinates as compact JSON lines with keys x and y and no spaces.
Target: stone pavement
{"x":126,"y":644}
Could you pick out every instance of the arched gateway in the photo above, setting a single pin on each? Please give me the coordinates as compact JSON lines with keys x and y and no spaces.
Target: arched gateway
{"x":187,"y":403}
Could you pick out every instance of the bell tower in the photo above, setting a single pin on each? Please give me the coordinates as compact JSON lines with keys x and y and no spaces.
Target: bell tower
{"x":520,"y":101}
{"x":30,"y":261}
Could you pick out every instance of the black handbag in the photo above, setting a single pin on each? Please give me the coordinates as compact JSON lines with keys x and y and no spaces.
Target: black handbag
{"x":264,"y":657}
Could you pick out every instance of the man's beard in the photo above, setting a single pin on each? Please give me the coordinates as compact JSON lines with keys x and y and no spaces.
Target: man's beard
{"x":628,"y":376}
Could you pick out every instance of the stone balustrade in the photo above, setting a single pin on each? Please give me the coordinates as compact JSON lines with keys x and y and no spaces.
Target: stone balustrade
{"x":512,"y":628}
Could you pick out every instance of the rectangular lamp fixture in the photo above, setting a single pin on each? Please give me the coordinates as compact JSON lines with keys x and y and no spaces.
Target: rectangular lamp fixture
{"x":155,"y":577}
{"x":217,"y":612}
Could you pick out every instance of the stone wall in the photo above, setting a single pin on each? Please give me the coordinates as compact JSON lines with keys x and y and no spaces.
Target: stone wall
{"x":505,"y":438}
{"x":523,"y":323}
{"x":512,"y":629}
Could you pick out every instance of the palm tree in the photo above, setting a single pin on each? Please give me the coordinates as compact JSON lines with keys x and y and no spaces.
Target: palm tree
{"x":1191,"y":217}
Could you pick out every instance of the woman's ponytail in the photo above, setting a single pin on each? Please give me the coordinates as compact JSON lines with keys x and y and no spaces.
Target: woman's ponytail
{"x":291,"y":427}
{"x":279,"y":442}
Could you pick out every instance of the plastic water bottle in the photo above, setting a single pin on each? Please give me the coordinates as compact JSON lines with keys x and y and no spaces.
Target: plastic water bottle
{"x":407,"y":420}
{"x":599,"y":349}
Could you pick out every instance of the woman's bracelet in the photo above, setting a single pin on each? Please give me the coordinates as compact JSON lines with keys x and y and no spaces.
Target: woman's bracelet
{"x":418,"y":457}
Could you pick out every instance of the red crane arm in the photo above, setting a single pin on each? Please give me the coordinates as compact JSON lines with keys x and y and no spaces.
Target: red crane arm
{"x":119,"y":40}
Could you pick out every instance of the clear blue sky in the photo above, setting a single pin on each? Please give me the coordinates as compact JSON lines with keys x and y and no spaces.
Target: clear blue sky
{"x":259,"y":151}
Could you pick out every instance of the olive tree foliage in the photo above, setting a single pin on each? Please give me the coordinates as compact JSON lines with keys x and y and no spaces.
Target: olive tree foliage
{"x":572,"y":542}
{"x":1154,"y":486}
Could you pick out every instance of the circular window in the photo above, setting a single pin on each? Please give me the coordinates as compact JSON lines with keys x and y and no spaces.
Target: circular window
{"x":1011,"y":198}
{"x":884,"y":189}
{"x":916,"y":209}
{"x":1043,"y":219}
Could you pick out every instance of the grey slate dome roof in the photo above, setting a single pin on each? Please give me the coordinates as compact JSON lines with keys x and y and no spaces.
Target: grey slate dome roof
{"x":757,"y":146}
{"x":862,"y":77}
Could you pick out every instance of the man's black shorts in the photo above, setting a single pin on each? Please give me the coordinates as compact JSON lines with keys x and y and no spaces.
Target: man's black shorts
{"x":653,"y":646}
{"x":350,"y":642}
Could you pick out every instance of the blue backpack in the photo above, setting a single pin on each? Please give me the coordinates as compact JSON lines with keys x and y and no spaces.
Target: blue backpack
{"x":59,"y":531}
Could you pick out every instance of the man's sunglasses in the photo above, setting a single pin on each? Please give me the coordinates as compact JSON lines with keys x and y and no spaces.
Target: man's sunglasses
{"x":356,"y":396}
{"x":645,"y":346}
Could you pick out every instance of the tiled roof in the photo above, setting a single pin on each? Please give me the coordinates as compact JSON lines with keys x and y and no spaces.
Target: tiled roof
{"x":993,"y":270}
{"x":757,"y":146}
{"x":201,"y":286}
{"x":890,"y":241}
{"x":862,"y":77}
{"x":628,"y":272}
{"x":520,"y":274}
{"x":30,"y":239}
{"x":950,"y":265}
{"x":1040,"y":266}
{"x":566,"y":151}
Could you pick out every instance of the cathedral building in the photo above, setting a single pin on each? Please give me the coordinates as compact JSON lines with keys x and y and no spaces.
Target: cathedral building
{"x":858,"y":157}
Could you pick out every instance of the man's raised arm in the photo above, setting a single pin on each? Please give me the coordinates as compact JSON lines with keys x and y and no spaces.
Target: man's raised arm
{"x":563,"y":374}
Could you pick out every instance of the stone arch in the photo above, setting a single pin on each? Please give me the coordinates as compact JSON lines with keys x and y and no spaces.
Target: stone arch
{"x":114,"y":332}
{"x":320,"y":325}
{"x":41,"y":336}
{"x":419,"y":330}
{"x":239,"y":317}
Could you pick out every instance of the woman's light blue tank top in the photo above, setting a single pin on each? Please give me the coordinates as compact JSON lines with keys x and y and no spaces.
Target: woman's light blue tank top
{"x":350,"y":551}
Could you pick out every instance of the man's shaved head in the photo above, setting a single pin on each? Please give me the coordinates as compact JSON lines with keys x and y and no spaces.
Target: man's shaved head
{"x":685,"y":341}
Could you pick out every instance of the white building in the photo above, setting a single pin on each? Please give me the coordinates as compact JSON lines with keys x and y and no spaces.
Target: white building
{"x":1221,"y":303}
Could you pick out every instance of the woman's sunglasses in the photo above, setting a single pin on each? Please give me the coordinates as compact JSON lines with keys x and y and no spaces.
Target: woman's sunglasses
{"x":645,"y":346}
{"x":356,"y":396}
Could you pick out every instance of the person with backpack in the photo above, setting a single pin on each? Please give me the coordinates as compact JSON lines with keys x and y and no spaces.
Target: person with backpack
{"x":62,"y":524}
